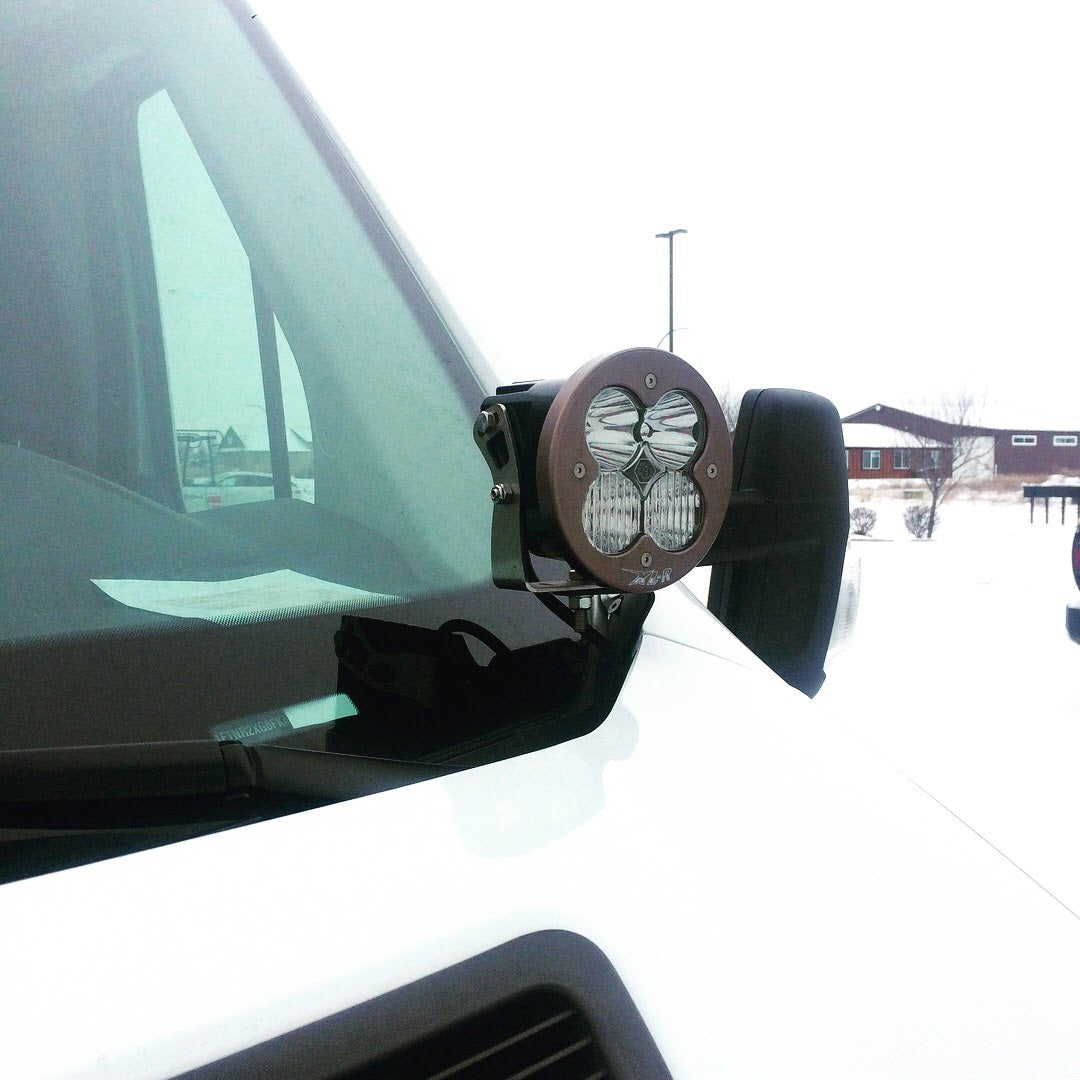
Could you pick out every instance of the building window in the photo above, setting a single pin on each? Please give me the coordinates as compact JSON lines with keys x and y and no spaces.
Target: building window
{"x":871,"y":459}
{"x":932,"y":459}
{"x":1025,"y":440}
{"x":901,"y":459}
{"x":1064,"y":440}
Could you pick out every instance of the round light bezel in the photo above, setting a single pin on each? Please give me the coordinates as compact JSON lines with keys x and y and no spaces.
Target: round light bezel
{"x":565,"y":467}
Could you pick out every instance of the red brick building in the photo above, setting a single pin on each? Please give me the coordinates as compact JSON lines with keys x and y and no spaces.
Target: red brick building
{"x":876,"y":452}
{"x":1027,"y":451}
{"x":884,"y":442}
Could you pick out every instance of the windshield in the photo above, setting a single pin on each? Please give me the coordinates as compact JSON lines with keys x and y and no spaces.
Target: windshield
{"x":230,"y":413}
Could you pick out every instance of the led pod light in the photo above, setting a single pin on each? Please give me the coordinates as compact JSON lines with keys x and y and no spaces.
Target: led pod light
{"x":623,"y":471}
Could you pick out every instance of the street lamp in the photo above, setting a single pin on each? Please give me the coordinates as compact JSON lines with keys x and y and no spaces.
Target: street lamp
{"x":670,"y":236}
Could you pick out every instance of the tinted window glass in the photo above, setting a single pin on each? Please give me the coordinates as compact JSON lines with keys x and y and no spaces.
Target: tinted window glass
{"x":222,"y":406}
{"x":186,"y":269}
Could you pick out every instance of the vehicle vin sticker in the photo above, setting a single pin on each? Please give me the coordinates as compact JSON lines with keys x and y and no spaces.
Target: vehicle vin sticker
{"x":240,"y":599}
{"x":267,"y":726}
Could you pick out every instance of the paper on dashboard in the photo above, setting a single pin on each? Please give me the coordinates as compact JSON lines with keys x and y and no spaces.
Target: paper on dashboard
{"x":238,"y":599}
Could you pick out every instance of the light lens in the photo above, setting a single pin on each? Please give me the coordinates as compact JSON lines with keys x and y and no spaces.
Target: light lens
{"x":611,"y":516}
{"x":644,"y":483}
{"x":673,"y":511}
{"x":609,"y":428}
{"x":670,"y":429}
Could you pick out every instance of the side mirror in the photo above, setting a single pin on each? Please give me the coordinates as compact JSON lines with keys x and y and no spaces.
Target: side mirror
{"x":779,"y":557}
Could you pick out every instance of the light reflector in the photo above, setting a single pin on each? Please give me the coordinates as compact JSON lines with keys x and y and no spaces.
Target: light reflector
{"x":673,"y":511}
{"x":611,"y":515}
{"x":642,"y":487}
{"x":670,"y":429}
{"x":609,"y":428}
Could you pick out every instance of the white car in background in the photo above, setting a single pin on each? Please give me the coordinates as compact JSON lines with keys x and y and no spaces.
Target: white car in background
{"x":233,"y":488}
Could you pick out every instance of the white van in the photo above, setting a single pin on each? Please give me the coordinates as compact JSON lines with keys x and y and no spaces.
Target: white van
{"x":430,"y":765}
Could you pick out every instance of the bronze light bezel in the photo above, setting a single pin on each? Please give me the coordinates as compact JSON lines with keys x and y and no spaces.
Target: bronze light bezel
{"x":562,"y":483}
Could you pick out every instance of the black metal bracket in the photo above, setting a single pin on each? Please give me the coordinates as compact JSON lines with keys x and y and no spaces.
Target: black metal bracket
{"x":511,"y":563}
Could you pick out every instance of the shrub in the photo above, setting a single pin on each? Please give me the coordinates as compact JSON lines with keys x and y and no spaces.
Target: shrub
{"x":917,"y":520}
{"x":863,"y":520}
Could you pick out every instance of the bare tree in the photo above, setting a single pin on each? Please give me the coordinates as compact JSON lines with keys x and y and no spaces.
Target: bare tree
{"x":730,"y":399}
{"x":959,"y":449}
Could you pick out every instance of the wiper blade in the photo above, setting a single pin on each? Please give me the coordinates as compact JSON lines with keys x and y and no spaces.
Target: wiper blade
{"x":197,"y":768}
{"x":324,"y":774}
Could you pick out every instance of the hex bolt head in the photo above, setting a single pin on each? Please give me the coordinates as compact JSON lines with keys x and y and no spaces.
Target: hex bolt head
{"x":710,"y":472}
{"x":485,"y":422}
{"x":646,"y":560}
{"x":500,"y":493}
{"x":579,"y":470}
{"x":650,"y":380}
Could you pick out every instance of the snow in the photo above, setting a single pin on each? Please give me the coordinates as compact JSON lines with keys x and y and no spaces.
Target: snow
{"x":961,"y":675}
{"x":879,"y":435}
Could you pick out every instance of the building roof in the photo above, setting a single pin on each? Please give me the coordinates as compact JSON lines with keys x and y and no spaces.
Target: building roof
{"x":907,"y":419}
{"x":929,"y":427}
{"x":883,"y":437}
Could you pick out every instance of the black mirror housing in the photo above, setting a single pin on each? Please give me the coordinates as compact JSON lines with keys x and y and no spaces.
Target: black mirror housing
{"x":779,"y":557}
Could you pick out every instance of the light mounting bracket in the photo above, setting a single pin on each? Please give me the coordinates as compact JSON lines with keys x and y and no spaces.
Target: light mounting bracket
{"x":511,"y":564}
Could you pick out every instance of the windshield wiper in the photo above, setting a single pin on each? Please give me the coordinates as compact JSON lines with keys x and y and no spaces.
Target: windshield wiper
{"x":68,"y":806}
{"x":195,"y":769}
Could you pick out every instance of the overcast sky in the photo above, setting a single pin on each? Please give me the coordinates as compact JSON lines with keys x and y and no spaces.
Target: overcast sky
{"x":882,"y":200}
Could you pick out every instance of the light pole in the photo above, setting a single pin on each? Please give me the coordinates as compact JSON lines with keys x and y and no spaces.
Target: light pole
{"x":670,"y":236}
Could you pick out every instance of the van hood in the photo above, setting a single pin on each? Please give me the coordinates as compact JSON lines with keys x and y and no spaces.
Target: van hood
{"x":775,"y":902}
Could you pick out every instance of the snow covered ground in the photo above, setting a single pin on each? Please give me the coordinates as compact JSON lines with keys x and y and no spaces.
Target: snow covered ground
{"x":961,"y":674}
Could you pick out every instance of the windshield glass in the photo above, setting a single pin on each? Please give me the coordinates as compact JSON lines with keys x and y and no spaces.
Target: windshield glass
{"x":229,"y":411}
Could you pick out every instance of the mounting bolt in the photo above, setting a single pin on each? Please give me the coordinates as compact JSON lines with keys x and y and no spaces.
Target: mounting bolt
{"x":710,"y":472}
{"x":501,"y":493}
{"x":485,"y":422}
{"x":650,"y":380}
{"x":646,"y":560}
{"x":579,"y":470}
